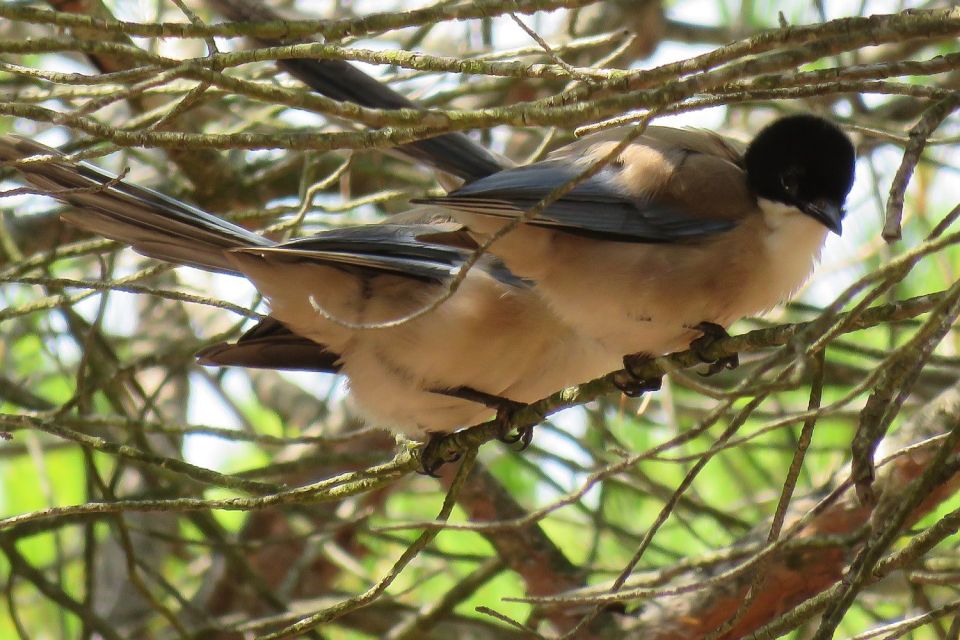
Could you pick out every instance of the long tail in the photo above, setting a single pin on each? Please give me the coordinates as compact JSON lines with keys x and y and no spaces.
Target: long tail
{"x":152,"y":223}
{"x":454,"y":153}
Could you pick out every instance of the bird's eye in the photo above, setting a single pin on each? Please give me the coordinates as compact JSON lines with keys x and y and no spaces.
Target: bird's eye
{"x":790,"y":181}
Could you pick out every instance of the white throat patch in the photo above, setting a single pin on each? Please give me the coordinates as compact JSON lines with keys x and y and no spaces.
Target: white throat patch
{"x":776,"y":214}
{"x":793,"y":243}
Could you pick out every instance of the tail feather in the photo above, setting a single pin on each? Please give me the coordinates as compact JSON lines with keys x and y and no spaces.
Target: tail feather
{"x":456,"y":153}
{"x":271,"y":345}
{"x":152,"y":223}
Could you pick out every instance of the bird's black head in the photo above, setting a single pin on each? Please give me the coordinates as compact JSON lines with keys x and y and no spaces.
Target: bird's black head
{"x":804,"y":161}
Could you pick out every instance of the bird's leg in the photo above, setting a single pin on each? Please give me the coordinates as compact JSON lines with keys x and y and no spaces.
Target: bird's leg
{"x":711,"y":333}
{"x":505,"y":409}
{"x":432,"y":457}
{"x":634,"y":384}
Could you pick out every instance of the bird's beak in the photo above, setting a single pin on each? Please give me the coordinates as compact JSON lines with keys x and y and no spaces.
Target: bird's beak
{"x":827,"y":213}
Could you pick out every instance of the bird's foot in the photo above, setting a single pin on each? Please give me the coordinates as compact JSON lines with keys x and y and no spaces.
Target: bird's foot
{"x":712,"y":332}
{"x":505,"y":414}
{"x":634,"y":384}
{"x":506,"y":409}
{"x":435,"y":454}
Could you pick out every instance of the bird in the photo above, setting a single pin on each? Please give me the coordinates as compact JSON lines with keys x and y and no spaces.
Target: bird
{"x":680,"y":234}
{"x":491,"y":346}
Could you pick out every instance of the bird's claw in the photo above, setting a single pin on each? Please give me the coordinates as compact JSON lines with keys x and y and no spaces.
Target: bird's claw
{"x":712,"y":332}
{"x":433,"y":456}
{"x":506,"y":410}
{"x":633,"y":384}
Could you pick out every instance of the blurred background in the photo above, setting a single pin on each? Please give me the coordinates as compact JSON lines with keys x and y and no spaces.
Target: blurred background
{"x":670,"y":516}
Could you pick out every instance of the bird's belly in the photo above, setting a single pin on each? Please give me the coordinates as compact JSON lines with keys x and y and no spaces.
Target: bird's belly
{"x":489,"y":337}
{"x":390,"y":398}
{"x":657,"y":321}
{"x":646,"y":298}
{"x":503,"y":344}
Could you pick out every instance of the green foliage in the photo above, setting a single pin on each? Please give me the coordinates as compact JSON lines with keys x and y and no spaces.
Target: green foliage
{"x":102,"y":410}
